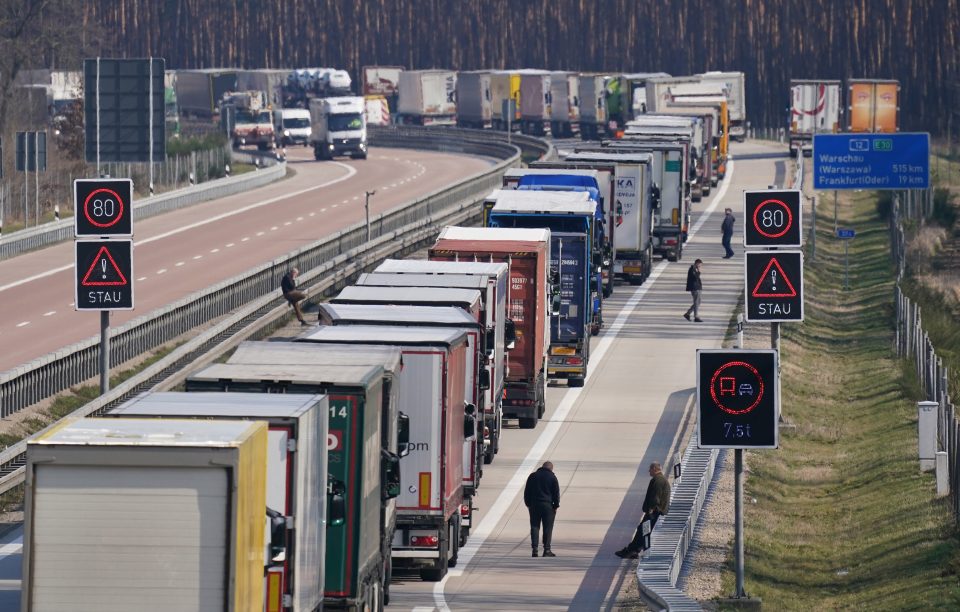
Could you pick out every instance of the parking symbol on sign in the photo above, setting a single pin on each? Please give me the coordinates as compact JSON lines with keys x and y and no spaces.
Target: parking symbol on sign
{"x":334,"y":440}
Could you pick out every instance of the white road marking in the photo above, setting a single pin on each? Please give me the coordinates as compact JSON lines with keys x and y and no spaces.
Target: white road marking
{"x":50,"y":314}
{"x":214,"y":250}
{"x":12,"y":547}
{"x":313,"y":213}
{"x":323,"y":210}
{"x":230,"y":245}
{"x":142,"y":278}
{"x":179,"y":263}
{"x":274,"y":228}
{"x":350,"y":172}
{"x":335,"y":205}
{"x":161,"y":270}
{"x":552,"y":428}
{"x":260,"y":233}
{"x":356,"y":197}
{"x":198,"y":257}
{"x":345,"y":202}
{"x":23,"y":323}
{"x":245,"y":238}
{"x":70,"y":305}
{"x":286,"y":223}
{"x":301,"y":218}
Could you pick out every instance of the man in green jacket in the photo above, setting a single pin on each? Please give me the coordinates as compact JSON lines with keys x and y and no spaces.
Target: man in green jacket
{"x":656,"y":503}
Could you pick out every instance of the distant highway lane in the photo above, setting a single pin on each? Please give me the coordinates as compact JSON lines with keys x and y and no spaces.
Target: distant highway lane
{"x":184,"y":251}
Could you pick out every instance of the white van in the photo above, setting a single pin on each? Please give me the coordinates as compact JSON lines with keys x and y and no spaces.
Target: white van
{"x":292,"y":126}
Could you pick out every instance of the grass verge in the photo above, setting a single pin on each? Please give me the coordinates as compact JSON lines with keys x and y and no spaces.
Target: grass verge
{"x":840,"y":517}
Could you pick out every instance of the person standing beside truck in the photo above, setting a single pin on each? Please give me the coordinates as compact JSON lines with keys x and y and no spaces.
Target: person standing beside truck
{"x":694,"y":286}
{"x":541,"y":495}
{"x":726,"y":228}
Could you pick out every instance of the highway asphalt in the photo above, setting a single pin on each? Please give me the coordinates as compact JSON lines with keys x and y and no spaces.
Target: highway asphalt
{"x":184,"y":251}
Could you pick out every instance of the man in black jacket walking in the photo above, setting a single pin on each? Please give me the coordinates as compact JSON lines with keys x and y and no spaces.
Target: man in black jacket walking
{"x":542,"y":498}
{"x":655,"y":504}
{"x":694,"y":286}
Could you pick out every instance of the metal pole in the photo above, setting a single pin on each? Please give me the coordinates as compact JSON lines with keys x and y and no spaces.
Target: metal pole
{"x":846,"y":264}
{"x":36,"y":172}
{"x":813,"y":231}
{"x":740,"y":330}
{"x":738,"y":524}
{"x":104,"y":351}
{"x":366,"y":209}
{"x":98,"y":116}
{"x":150,"y":186}
{"x":26,"y":185}
{"x":834,"y":211}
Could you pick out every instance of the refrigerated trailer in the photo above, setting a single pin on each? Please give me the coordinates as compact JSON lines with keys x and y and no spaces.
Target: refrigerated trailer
{"x":427,"y":97}
{"x":526,"y":251}
{"x":357,"y":564}
{"x":476,"y":381}
{"x":474,"y":99}
{"x":535,"y":101}
{"x":150,"y":515}
{"x":431,"y":499}
{"x":491,"y":280}
{"x":631,"y":208}
{"x":296,"y":479}
{"x":815,"y":108}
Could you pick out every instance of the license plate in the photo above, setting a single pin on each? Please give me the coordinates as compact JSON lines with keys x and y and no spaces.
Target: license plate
{"x":631,"y":269}
{"x":563,"y":350}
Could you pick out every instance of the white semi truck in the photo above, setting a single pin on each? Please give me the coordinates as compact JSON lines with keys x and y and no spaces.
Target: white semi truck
{"x":338,"y":127}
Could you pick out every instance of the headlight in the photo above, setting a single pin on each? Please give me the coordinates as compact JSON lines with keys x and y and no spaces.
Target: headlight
{"x":286,"y":132}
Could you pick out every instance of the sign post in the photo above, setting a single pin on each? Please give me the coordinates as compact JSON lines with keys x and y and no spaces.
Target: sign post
{"x":846,"y":235}
{"x":738,"y":404}
{"x":103,"y":212}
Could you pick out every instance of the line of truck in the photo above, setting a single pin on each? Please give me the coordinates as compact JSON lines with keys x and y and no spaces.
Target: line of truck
{"x":300,"y":472}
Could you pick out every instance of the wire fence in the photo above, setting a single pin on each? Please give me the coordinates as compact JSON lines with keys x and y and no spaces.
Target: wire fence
{"x":912,"y":341}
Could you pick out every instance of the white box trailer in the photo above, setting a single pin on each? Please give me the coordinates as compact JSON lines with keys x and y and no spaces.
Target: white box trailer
{"x":690,"y":127}
{"x":535,"y":101}
{"x":630,"y":211}
{"x":296,"y":477}
{"x":593,"y":105}
{"x":504,"y":85}
{"x":491,"y":279}
{"x":474,"y":99}
{"x":431,"y":498}
{"x":814,"y":109}
{"x":476,"y":384}
{"x":147,"y":515}
{"x":565,"y":104}
{"x":427,"y":97}
{"x":734,"y":83}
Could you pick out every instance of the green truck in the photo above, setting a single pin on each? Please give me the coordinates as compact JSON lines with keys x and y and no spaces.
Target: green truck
{"x":357,"y":568}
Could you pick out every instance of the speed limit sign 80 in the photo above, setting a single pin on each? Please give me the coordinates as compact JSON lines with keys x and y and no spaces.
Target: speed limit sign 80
{"x":772,"y":218}
{"x":103,"y":207}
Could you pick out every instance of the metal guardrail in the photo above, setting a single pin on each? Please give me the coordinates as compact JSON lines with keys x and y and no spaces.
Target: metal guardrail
{"x":44,"y":377}
{"x":672,"y":538}
{"x":19,"y":242}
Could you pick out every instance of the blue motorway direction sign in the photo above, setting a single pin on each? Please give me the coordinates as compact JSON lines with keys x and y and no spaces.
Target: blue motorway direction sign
{"x":871,"y":161}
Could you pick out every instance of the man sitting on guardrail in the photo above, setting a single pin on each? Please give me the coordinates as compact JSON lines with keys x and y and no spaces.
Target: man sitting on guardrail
{"x":288,"y":284}
{"x":655,"y":504}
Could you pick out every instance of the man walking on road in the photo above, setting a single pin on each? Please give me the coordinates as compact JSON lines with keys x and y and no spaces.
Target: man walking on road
{"x":542,"y":498}
{"x":288,"y":285}
{"x":694,"y":286}
{"x":655,"y":504}
{"x":727,"y":229}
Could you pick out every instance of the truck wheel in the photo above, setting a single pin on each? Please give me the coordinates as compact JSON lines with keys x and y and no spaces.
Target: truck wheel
{"x":635,"y":279}
{"x":575,"y":382}
{"x":595,"y":329}
{"x":672,"y":256}
{"x":527,"y":422}
{"x":387,"y":579}
{"x":456,"y":535}
{"x":541,"y":408}
{"x":488,"y":454}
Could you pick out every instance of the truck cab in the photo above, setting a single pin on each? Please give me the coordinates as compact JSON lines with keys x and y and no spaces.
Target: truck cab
{"x":338,"y":127}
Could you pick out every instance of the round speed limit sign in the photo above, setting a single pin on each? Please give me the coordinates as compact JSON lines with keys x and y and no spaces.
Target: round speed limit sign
{"x":772,"y":218}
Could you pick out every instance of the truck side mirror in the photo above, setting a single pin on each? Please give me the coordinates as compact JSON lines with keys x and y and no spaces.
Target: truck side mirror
{"x":510,"y":333}
{"x":336,"y":503}
{"x":483,"y":382}
{"x":390,"y":474}
{"x":277,"y":525}
{"x":469,"y":421}
{"x":555,"y":305}
{"x":490,"y":341}
{"x":403,"y":435}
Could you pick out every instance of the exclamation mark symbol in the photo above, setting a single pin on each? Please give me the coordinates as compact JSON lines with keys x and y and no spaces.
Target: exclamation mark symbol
{"x":103,"y":267}
{"x":773,"y":278}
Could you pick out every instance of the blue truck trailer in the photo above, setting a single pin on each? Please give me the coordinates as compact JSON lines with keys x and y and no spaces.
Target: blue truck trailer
{"x":575,"y":268}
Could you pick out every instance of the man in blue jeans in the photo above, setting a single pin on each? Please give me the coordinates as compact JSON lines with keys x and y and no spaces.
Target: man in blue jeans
{"x":726,"y":228}
{"x":695,"y":287}
{"x":541,"y":495}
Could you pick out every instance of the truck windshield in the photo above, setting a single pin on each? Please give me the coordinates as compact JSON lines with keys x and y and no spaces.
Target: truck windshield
{"x":264,"y":117}
{"x":244,"y":116}
{"x":346,"y":121}
{"x":296,"y":122}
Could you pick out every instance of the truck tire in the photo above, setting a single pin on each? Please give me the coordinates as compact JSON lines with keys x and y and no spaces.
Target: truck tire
{"x":387,"y":579}
{"x":635,"y":279}
{"x":527,"y":422}
{"x":541,"y":409}
{"x":456,"y":533}
{"x":488,"y":453}
{"x":575,"y":382}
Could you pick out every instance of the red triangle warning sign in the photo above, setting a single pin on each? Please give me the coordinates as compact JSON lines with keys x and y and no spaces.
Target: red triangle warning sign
{"x":104,"y":271}
{"x":774,"y":283}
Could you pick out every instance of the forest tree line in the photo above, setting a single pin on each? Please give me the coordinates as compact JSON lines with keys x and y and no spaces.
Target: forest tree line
{"x":772,"y":41}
